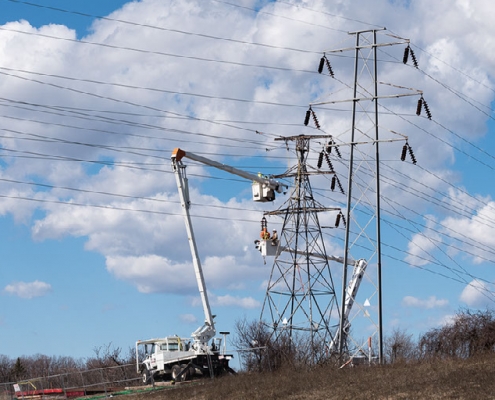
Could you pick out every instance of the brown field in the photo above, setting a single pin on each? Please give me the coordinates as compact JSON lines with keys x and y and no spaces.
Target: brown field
{"x":441,"y":379}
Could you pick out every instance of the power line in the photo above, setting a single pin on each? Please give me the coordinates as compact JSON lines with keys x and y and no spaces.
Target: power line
{"x":119,"y":195}
{"x":160,"y":28}
{"x":158,"y":53}
{"x":56,"y":109}
{"x":107,"y":119}
{"x":368,"y":24}
{"x":152,"y":89}
{"x":117,"y":208}
{"x":261,"y":12}
{"x":456,"y":69}
{"x":485,"y":292}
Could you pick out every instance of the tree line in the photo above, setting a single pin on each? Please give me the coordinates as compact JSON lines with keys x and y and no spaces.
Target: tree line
{"x":39,"y":365}
{"x":470,"y":333}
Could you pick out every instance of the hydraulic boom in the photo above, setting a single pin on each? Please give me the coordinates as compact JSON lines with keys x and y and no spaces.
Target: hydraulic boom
{"x":203,"y":334}
{"x":263,"y":188}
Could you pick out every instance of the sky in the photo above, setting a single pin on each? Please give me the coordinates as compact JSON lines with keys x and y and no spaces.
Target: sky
{"x":96,"y":95}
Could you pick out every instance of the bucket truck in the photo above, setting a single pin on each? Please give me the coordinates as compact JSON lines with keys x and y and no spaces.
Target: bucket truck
{"x":202,"y":354}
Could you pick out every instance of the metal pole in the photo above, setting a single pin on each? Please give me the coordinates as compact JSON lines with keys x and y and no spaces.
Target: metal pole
{"x":348,"y":211}
{"x":378,"y":227}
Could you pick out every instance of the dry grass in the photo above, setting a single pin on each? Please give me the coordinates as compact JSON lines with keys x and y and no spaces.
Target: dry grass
{"x":441,"y":379}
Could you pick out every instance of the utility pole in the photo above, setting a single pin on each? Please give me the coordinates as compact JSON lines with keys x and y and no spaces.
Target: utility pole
{"x":363,"y":228}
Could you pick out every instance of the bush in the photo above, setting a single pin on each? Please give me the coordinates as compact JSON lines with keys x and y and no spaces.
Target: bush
{"x":470,"y":334}
{"x":262,"y":349}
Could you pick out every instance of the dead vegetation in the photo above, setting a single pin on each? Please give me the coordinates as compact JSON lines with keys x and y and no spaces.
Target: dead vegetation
{"x":455,"y":361}
{"x":427,"y":379}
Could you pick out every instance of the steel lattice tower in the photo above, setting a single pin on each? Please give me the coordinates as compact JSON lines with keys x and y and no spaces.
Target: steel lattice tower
{"x":300,"y":298}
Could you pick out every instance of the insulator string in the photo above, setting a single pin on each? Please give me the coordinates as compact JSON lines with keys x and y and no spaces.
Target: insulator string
{"x":320,"y":160}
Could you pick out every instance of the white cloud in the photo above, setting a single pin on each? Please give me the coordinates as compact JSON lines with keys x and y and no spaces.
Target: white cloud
{"x":28,"y":290}
{"x":477,"y":294}
{"x":236,"y":301}
{"x":429,"y":303}
{"x":422,"y":245}
{"x":188,"y":318}
{"x":229,"y":301}
{"x":447,"y":319}
{"x":473,"y":230}
{"x":153,"y":274}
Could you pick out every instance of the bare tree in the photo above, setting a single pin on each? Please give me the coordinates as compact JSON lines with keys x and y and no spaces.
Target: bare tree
{"x":105,"y":356}
{"x":260,"y":352}
{"x":400,"y":346}
{"x":6,"y":368}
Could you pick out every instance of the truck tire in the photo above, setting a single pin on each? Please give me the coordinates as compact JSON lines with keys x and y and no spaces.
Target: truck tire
{"x":187,"y":373}
{"x":146,"y":376}
{"x":176,"y":369}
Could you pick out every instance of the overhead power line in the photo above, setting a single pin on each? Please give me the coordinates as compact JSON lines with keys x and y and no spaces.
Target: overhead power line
{"x":161,"y":28}
{"x":126,"y":86}
{"x":118,"y":208}
{"x":158,"y":53}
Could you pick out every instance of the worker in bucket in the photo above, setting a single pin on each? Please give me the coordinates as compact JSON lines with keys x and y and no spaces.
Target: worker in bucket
{"x":274,"y":238}
{"x":265,"y":235}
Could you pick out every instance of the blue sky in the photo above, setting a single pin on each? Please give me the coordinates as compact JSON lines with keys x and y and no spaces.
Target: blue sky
{"x":94,"y":249}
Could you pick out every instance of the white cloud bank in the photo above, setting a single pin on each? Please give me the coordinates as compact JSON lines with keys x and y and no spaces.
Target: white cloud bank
{"x":112,"y":140}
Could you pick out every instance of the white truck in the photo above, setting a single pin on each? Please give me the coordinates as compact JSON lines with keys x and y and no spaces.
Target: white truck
{"x":176,"y":358}
{"x":201,"y":355}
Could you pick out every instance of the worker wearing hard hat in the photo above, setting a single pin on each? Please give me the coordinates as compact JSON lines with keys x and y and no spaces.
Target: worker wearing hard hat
{"x":274,"y":237}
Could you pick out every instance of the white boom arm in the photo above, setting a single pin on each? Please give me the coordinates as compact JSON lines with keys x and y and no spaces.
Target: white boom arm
{"x":264,"y":189}
{"x":350,"y":296}
{"x":206,"y":332}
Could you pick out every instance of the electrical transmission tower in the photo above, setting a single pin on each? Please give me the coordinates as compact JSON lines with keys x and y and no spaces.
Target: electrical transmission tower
{"x":363,"y":229}
{"x":302,"y":301}
{"x":301,"y":297}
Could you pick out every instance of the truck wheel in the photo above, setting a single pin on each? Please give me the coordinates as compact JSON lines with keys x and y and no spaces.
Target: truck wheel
{"x":146,"y":376}
{"x":175,"y":373}
{"x":187,"y":373}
